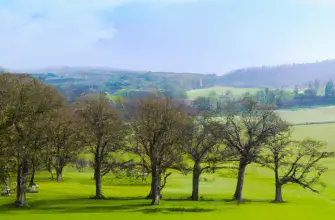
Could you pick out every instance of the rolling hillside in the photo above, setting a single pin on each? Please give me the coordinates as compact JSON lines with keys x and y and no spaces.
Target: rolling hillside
{"x":279,"y":76}
{"x":112,"y":80}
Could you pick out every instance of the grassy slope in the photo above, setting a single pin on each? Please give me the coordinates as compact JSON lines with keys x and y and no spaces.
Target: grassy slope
{"x":219,"y":90}
{"x":316,"y":114}
{"x":68,"y":200}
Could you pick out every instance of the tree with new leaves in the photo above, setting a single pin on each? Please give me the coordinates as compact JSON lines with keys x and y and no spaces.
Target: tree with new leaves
{"x":24,"y":103}
{"x":141,"y":168}
{"x":39,"y":141}
{"x":295,"y":162}
{"x":64,"y":139}
{"x":203,"y":146}
{"x":7,"y":162}
{"x":158,"y":127}
{"x":329,"y":89}
{"x":249,"y":126}
{"x":103,"y":133}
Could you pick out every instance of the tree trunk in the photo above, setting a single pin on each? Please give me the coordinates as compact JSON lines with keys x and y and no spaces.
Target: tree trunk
{"x":21,"y":183}
{"x":32,"y":182}
{"x":51,"y":175}
{"x":50,"y":169}
{"x":97,"y":177}
{"x":240,"y":180}
{"x":155,"y":185}
{"x":59,"y":173}
{"x":195,"y":181}
{"x":279,"y":196}
{"x":149,"y":196}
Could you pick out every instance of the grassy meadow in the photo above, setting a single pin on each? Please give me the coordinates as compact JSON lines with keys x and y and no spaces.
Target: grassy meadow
{"x":219,"y":90}
{"x":309,"y":115}
{"x":69,"y":199}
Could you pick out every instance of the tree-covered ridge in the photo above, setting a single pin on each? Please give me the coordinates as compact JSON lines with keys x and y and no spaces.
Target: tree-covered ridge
{"x":75,"y":82}
{"x":285,"y":83}
{"x":280,"y":76}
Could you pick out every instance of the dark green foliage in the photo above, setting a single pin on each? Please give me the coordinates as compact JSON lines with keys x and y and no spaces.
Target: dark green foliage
{"x":329,"y":90}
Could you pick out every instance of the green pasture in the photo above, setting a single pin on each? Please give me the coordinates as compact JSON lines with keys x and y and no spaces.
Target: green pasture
{"x":219,"y":90}
{"x":70,"y":199}
{"x":313,"y":114}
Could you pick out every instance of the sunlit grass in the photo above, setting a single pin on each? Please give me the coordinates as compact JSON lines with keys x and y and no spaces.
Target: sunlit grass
{"x":315,"y":114}
{"x":219,"y":90}
{"x":70,"y":199}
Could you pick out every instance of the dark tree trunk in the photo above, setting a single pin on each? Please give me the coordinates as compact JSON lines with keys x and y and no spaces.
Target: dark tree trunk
{"x":18,"y":183}
{"x":279,"y":196}
{"x":149,"y":196}
{"x":51,"y":174}
{"x":50,"y":169}
{"x":155,"y":186}
{"x":32,"y":179}
{"x":21,"y":183}
{"x":59,"y":172}
{"x":240,"y":181}
{"x":195,"y":181}
{"x":97,"y":177}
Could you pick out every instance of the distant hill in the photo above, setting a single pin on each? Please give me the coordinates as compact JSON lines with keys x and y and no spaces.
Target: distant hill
{"x":76,"y":81}
{"x":80,"y":80}
{"x":279,"y":76}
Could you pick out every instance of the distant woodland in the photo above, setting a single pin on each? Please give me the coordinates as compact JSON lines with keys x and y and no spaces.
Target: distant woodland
{"x":284,"y":86}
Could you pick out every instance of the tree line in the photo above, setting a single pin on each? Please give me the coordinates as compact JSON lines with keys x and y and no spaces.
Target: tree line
{"x":310,"y":95}
{"x":39,"y":130}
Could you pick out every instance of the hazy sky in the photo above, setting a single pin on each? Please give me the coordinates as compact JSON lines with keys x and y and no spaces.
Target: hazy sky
{"x":165,"y":35}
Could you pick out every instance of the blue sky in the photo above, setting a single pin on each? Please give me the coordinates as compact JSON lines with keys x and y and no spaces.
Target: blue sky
{"x":207,"y":36}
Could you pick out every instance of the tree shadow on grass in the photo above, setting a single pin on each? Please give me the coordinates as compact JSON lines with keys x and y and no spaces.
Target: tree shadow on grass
{"x":174,"y":210}
{"x":114,"y":204}
{"x":85,"y":206}
{"x":73,"y":206}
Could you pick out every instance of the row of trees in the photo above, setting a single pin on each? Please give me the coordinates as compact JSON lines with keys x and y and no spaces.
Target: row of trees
{"x":38,"y":130}
{"x":284,"y":98}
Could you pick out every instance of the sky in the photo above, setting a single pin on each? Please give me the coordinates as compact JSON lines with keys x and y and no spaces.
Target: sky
{"x":203,"y":36}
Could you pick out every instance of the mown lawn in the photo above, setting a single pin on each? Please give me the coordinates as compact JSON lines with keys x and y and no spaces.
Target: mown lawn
{"x":70,"y":199}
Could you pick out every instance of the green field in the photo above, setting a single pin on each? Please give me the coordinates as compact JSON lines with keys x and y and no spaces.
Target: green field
{"x":315,"y":114}
{"x":69,"y":200}
{"x":219,"y":90}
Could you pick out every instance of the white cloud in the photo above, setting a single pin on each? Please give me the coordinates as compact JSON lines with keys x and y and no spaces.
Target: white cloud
{"x":55,"y":32}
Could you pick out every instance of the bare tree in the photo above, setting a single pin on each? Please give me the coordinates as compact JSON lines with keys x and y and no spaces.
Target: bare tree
{"x":104,"y":133}
{"x":249,"y":125}
{"x":157,"y":128}
{"x":294,"y":162}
